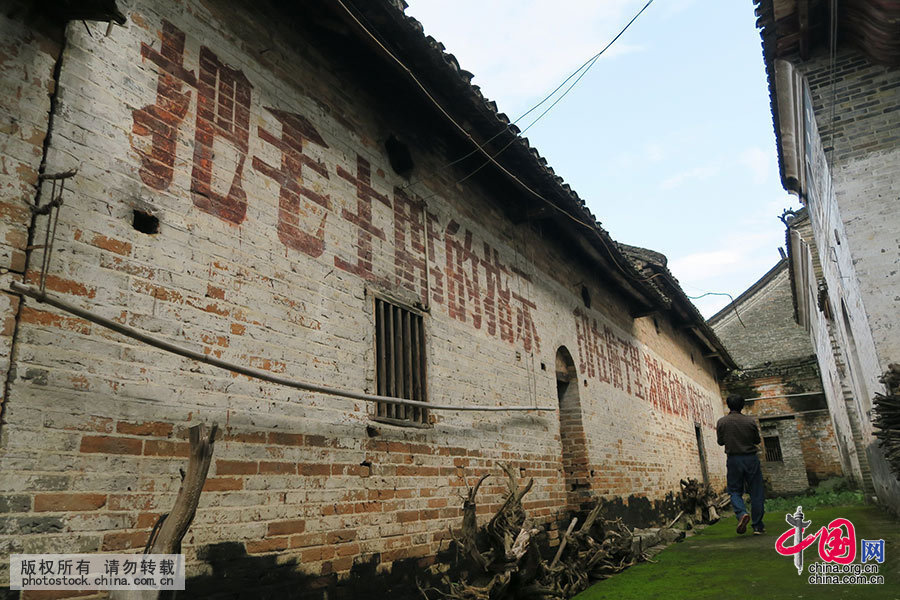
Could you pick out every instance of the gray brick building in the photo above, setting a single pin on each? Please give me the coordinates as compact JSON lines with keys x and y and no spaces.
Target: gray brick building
{"x":835,"y":92}
{"x":779,"y":376}
{"x":311,"y":191}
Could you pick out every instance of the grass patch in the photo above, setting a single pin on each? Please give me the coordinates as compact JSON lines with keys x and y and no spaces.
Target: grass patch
{"x":815,"y":500}
{"x":718,"y":564}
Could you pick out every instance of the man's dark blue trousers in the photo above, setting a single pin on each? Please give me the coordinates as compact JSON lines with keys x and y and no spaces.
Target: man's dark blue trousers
{"x":744,"y":470}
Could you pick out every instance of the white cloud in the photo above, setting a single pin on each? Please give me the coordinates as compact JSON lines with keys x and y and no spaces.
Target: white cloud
{"x":703,"y":265}
{"x":702,"y":173}
{"x":654,"y":152}
{"x":759,"y":162}
{"x":519,"y":50}
{"x":738,"y":261}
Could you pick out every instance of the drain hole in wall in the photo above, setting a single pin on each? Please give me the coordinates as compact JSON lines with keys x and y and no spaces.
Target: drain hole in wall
{"x":399,"y":156}
{"x":145,"y":222}
{"x":585,"y":296}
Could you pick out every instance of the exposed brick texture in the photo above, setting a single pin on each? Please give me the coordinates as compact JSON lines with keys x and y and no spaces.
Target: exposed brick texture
{"x":787,"y":475}
{"x":777,"y":359}
{"x":28,"y":55}
{"x":854,"y":187}
{"x":759,"y":327}
{"x":280,"y":219}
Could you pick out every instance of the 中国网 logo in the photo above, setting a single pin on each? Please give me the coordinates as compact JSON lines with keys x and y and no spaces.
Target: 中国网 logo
{"x":837,"y":551}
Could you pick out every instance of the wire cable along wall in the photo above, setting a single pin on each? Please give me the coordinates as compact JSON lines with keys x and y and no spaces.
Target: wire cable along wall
{"x":40,"y":296}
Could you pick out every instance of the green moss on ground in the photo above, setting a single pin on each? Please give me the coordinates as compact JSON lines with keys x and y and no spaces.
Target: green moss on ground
{"x":718,"y":564}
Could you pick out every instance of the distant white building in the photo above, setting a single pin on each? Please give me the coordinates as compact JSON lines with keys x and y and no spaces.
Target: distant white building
{"x":835,"y":92}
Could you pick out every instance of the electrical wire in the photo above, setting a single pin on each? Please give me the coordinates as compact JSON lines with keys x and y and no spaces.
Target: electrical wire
{"x":581,"y":71}
{"x":588,"y":63}
{"x":733,"y":305}
{"x":173,"y":348}
{"x":833,"y":58}
{"x":479,"y":148}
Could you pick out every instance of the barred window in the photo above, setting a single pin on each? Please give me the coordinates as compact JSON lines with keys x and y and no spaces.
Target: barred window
{"x":773,"y":449}
{"x":400,"y":362}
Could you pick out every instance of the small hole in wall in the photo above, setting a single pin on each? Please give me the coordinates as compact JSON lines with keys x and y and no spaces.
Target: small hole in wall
{"x":543,"y":367}
{"x":656,"y":324}
{"x":399,"y":156}
{"x":837,"y":238}
{"x":145,"y":222}
{"x":585,"y":383}
{"x":585,"y":296}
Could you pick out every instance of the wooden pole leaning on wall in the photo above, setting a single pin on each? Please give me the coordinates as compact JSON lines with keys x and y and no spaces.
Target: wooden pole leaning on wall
{"x":131,"y":332}
{"x":174,"y":525}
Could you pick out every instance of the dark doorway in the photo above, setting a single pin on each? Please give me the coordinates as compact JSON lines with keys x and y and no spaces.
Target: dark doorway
{"x":576,"y":470}
{"x":701,"y":449}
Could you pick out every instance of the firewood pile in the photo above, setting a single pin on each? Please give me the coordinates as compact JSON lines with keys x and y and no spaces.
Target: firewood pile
{"x":700,"y":503}
{"x":501,"y":560}
{"x":887,"y":417}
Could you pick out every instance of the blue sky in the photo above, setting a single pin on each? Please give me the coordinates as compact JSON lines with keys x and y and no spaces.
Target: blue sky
{"x":668,"y":138}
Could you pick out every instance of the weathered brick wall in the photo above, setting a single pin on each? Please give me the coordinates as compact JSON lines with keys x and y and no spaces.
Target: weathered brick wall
{"x":830,"y":371}
{"x":820,"y":451}
{"x":279,"y":219}
{"x":766,"y":330}
{"x":28,"y":54}
{"x":865,"y":172}
{"x":779,"y":362}
{"x":786,"y":476}
{"x":811,"y":423}
{"x":854,"y":181}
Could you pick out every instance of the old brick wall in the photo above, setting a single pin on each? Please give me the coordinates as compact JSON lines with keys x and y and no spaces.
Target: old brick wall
{"x":811,"y":439}
{"x":279,"y":220}
{"x":854,"y":180}
{"x":863,"y":239}
{"x":820,"y":451}
{"x":833,"y":373}
{"x":778,"y":363}
{"x":865,"y":169}
{"x":788,"y":475}
{"x":766,"y":331}
{"x":29,"y":49}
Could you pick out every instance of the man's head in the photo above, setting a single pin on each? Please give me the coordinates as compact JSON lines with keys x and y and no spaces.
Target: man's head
{"x":735,"y":402}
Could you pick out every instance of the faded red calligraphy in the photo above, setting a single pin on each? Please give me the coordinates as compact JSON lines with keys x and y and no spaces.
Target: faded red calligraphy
{"x":223,"y":111}
{"x":295,"y":129}
{"x":161,"y":120}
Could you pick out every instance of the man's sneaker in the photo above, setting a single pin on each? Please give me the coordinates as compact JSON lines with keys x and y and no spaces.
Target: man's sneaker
{"x":759,"y":532}
{"x":742,"y":523}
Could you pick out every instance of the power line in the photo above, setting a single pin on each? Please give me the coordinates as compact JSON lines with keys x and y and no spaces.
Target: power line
{"x":491,"y":158}
{"x":582,"y":69}
{"x":589,"y":63}
{"x":480,"y":147}
{"x":733,"y":305}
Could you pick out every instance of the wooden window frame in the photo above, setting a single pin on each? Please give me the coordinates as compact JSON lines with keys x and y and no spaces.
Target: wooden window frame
{"x":408,"y":377}
{"x":773,"y":451}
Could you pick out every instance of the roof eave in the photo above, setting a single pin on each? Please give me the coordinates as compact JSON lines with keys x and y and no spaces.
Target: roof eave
{"x":444,"y":77}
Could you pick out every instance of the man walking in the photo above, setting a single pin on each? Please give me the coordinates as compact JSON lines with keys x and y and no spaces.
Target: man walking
{"x":740,"y":435}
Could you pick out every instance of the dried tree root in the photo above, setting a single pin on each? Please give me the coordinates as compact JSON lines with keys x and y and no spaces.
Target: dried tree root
{"x":511,"y":568}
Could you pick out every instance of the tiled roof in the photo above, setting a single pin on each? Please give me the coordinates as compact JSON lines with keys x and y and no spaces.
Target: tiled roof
{"x":440,"y":72}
